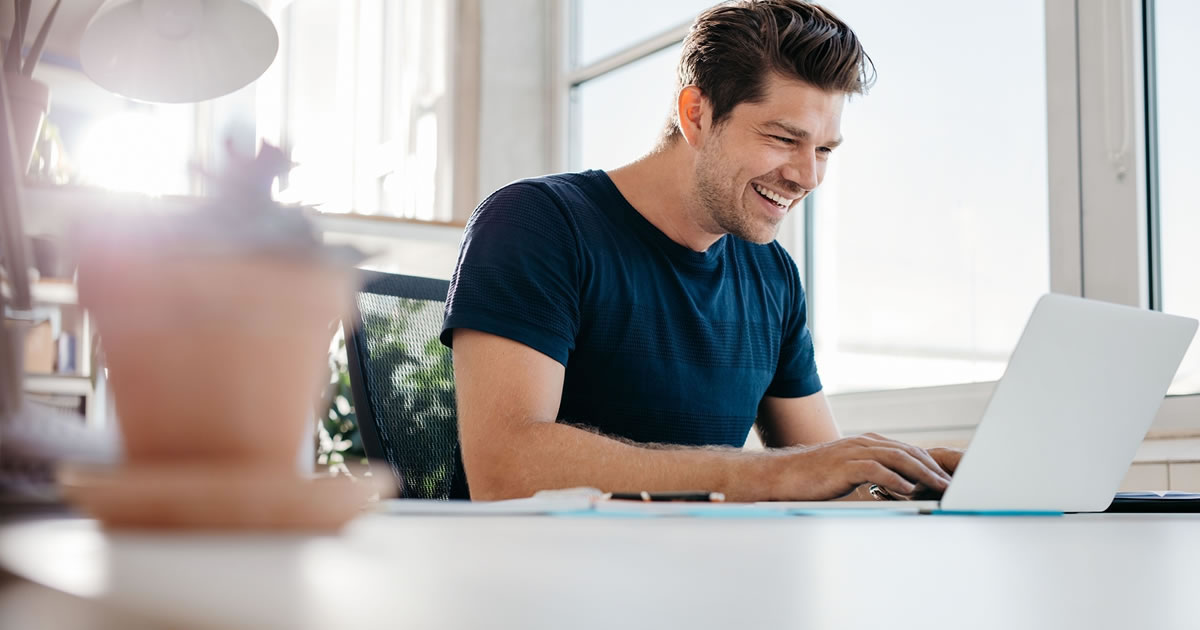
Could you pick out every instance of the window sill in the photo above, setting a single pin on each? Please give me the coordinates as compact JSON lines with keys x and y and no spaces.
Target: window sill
{"x":947,"y":416}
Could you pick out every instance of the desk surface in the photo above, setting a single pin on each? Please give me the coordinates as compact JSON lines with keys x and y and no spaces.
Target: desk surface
{"x":1087,"y":571}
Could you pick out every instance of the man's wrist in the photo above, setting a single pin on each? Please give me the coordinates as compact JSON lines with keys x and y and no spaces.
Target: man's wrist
{"x":767,"y":472}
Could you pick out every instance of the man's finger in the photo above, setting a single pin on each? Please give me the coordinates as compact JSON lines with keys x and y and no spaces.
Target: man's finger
{"x":948,"y":458}
{"x":871,"y":471}
{"x":926,"y":458}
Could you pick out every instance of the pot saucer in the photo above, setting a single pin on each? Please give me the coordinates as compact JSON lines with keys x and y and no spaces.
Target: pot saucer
{"x":216,"y":496}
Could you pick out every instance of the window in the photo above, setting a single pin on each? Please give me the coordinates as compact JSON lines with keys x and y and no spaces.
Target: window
{"x":930,"y":233}
{"x":97,"y":138}
{"x":143,"y":148}
{"x":621,"y":114}
{"x":604,"y":28}
{"x":1175,"y":24}
{"x":363,"y":99}
{"x":623,"y":76}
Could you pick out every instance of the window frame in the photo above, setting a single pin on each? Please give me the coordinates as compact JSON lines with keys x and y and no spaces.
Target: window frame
{"x":1102,"y":198}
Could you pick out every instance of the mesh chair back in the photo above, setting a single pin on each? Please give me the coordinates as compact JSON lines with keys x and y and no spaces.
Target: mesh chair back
{"x":403,"y":384}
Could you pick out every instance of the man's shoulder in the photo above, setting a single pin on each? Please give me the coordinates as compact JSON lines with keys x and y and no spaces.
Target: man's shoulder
{"x":548,"y":198}
{"x":550,"y":205}
{"x":567,"y":191}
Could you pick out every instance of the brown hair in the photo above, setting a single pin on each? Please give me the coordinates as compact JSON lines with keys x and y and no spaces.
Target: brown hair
{"x":732,"y":47}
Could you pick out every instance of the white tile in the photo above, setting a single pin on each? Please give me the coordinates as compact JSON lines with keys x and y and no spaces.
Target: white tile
{"x":1163,"y":450}
{"x":1185,"y":477}
{"x":1145,"y":477}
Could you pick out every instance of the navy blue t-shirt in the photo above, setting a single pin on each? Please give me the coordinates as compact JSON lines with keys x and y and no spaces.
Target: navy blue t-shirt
{"x":660,"y":343}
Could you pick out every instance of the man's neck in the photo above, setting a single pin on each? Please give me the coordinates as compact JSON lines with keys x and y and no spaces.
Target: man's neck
{"x":661,"y":187}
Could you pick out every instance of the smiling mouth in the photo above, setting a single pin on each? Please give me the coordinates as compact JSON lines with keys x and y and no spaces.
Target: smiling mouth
{"x":775,"y":198}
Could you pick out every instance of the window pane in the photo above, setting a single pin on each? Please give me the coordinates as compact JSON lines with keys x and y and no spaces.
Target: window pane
{"x":620,"y":115}
{"x":145,"y":148}
{"x":603,"y":27}
{"x":368,"y":106}
{"x":931,"y":238}
{"x":1177,"y":49}
{"x":315,"y":51}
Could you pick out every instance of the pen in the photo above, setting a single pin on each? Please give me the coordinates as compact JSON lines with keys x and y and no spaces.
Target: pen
{"x":686,"y":495}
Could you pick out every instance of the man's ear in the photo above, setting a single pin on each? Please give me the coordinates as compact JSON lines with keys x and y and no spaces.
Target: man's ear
{"x":694,"y":114}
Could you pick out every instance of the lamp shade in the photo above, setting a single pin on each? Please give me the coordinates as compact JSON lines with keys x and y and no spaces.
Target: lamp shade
{"x":177,"y":51}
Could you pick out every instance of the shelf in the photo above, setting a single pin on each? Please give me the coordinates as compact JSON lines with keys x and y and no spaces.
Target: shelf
{"x":56,"y":292}
{"x":53,"y":209}
{"x":63,"y":384}
{"x":60,"y":292}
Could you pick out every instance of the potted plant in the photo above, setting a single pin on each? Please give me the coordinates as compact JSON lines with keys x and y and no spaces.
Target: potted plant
{"x":30,"y":98}
{"x":215,"y":325}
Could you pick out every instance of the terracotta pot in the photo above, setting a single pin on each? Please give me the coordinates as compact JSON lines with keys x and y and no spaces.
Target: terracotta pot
{"x":30,"y":100}
{"x":214,"y":359}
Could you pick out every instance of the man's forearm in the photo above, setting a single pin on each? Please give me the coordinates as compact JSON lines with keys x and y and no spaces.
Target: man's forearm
{"x":545,"y":455}
{"x":507,"y":393}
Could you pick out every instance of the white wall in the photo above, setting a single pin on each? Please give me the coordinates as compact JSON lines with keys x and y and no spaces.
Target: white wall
{"x":514,"y":109}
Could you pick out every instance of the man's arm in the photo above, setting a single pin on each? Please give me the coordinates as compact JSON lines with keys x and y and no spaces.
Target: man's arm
{"x":508,"y":397}
{"x":784,"y":422}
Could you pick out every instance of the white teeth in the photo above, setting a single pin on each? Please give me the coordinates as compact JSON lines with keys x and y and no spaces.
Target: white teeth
{"x":782,"y":202}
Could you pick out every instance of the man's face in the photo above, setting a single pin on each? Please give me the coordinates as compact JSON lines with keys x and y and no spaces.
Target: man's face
{"x":765,"y":157}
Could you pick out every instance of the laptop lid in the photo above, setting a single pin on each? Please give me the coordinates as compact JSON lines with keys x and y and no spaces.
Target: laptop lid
{"x":1080,"y":392}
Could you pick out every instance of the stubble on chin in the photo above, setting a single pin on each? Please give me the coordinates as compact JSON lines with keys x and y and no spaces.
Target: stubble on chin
{"x":760,"y":234}
{"x":724,"y":209}
{"x":733,"y":217}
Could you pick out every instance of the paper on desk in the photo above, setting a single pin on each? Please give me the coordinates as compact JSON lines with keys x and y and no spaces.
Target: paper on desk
{"x":848,"y":508}
{"x":564,"y":501}
{"x":575,"y":506}
{"x":690,"y":509}
{"x":512,"y":507}
{"x":587,"y":502}
{"x":1160,"y":494}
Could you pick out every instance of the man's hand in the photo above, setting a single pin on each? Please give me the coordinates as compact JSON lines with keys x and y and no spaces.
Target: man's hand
{"x":836,"y":468}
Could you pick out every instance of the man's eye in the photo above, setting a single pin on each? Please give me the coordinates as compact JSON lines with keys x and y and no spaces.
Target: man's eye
{"x":825,"y":150}
{"x":784,"y":140}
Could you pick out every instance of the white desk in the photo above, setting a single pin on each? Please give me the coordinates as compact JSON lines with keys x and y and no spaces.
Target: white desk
{"x":1120,"y":571}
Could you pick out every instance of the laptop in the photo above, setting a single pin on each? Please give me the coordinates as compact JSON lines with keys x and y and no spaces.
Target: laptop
{"x":1062,"y":427}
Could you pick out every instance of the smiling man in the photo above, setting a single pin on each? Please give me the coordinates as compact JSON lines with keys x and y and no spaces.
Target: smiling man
{"x":626,"y":330}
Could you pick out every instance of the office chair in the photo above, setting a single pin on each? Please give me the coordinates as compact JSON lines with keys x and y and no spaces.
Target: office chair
{"x":403,"y":384}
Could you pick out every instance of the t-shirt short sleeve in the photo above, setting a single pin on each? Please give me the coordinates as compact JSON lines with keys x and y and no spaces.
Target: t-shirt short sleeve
{"x":796,"y":375}
{"x":517,"y":273}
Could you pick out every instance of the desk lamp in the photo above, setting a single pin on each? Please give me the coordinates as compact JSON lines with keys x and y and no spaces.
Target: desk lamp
{"x":177,"y":51}
{"x":170,"y":51}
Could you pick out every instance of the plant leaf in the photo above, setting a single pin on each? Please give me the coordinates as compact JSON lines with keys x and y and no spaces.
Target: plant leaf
{"x":22,"y":23}
{"x":40,"y":42}
{"x":12,"y":56}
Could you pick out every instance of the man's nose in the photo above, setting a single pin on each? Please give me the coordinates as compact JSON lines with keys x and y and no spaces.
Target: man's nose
{"x":801,"y":171}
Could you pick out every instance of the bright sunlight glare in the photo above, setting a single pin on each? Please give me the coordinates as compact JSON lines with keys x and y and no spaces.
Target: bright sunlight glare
{"x":136,"y":152}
